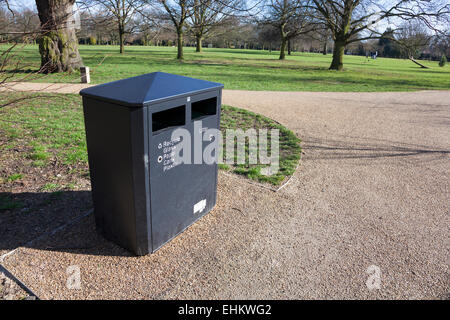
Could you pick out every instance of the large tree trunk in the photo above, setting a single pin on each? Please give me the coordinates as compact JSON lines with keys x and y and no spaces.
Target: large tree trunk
{"x":283,"y":49}
{"x":338,"y":55}
{"x":199,"y":44}
{"x":58,"y":44}
{"x":180,"y":44}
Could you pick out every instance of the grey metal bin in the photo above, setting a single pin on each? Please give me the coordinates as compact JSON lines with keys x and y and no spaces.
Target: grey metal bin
{"x":140,"y":200}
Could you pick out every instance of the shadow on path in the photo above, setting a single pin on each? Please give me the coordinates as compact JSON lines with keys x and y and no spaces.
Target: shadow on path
{"x":377,"y":149}
{"x":60,"y":221}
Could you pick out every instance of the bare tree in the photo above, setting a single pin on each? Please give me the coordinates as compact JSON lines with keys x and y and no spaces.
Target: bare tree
{"x":26,"y":21}
{"x":412,"y":38}
{"x":58,"y":44}
{"x":324,"y":36}
{"x":123,"y":12}
{"x":440,"y":45}
{"x":18,"y":24}
{"x":178,"y":11}
{"x":208,"y":15}
{"x":150,"y":27}
{"x":268,"y":35}
{"x":291,"y":18}
{"x":355,"y":20}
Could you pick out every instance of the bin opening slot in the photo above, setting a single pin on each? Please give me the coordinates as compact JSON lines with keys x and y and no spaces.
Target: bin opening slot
{"x":168,"y":118}
{"x":204,"y":108}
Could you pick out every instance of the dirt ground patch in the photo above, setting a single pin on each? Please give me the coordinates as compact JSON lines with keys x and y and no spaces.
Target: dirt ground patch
{"x":373,"y":189}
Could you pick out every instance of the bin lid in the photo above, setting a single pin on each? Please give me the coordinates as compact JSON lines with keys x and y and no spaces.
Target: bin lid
{"x":148,"y":89}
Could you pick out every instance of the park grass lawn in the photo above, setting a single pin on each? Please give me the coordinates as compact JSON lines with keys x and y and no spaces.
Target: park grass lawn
{"x":248,"y":69}
{"x":42,"y":143}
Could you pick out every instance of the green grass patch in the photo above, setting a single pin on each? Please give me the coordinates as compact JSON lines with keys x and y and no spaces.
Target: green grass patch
{"x":50,"y":187}
{"x":14,"y":177}
{"x":39,"y":153}
{"x":289,"y":145}
{"x":54,"y":130}
{"x":47,"y":126}
{"x":249,"y":69}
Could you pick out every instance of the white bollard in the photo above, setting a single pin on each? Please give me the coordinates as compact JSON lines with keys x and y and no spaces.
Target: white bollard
{"x":85,"y":76}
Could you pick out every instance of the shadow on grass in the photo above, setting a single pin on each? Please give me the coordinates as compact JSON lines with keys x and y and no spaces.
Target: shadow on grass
{"x":60,"y":221}
{"x":27,"y":71}
{"x":243,"y":64}
{"x":334,"y":81}
{"x":242,"y":51}
{"x":432,"y":71}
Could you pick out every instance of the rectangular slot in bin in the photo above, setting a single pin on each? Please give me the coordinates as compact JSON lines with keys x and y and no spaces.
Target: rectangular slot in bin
{"x":204,"y":108}
{"x":173,"y":117}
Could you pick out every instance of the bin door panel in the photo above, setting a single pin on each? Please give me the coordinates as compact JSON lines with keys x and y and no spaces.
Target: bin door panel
{"x":180,"y":194}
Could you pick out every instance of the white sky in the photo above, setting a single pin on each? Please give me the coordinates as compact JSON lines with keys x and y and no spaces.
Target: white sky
{"x":18,"y":4}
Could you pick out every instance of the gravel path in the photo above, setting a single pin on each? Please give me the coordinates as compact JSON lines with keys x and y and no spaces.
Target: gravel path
{"x":372,"y":192}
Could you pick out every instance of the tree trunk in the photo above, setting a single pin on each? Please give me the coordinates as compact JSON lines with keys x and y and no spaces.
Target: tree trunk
{"x":289,"y":47}
{"x":418,"y":63}
{"x":180,"y":45}
{"x":199,"y":44}
{"x":324,"y":51}
{"x":121,"y":38}
{"x":58,"y":44}
{"x":283,"y":49}
{"x":338,"y":55}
